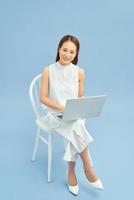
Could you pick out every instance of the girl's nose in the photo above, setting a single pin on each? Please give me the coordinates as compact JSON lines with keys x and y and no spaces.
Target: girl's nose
{"x":67,"y":55}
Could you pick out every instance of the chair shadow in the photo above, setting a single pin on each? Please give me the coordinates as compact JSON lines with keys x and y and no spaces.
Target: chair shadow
{"x":94,"y":193}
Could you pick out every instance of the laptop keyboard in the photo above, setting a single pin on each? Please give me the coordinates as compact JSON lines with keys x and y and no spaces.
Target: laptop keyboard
{"x":60,"y":116}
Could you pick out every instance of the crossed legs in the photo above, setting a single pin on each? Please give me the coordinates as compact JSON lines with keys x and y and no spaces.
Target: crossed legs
{"x":89,"y":172}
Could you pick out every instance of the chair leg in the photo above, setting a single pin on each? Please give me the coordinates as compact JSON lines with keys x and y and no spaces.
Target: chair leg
{"x":36,"y":144}
{"x":49,"y":157}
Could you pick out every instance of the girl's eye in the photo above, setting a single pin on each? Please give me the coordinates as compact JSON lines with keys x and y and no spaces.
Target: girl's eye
{"x":64,"y":50}
{"x":72,"y":52}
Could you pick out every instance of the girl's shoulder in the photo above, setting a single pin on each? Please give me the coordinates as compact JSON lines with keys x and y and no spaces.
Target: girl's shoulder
{"x":81,"y":70}
{"x":46,"y":68}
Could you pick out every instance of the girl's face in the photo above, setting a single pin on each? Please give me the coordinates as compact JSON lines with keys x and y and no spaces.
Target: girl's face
{"x":67,"y":52}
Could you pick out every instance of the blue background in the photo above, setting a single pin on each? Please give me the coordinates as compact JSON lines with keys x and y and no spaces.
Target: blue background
{"x":29,"y":34}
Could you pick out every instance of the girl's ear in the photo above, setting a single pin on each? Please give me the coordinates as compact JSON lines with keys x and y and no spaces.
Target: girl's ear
{"x":59,"y":50}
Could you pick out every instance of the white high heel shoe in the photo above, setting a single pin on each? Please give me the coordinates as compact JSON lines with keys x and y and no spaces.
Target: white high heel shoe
{"x":97,"y":184}
{"x":73,"y":189}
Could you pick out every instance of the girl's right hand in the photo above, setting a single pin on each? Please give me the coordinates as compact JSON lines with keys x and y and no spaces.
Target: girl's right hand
{"x":62,"y":109}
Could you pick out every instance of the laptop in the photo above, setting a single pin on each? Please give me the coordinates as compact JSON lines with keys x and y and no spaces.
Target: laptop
{"x":83,"y":108}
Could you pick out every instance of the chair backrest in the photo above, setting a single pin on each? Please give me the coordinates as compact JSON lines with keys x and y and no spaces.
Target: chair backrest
{"x":34,"y":93}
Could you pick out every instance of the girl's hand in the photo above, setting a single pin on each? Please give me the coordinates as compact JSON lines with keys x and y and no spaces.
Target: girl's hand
{"x":62,"y":108}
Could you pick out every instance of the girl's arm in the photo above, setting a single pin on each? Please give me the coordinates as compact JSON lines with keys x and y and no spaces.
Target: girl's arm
{"x":44,"y":91}
{"x":81,"y":82}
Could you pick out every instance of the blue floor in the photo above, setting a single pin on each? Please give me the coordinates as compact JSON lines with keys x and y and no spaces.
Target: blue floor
{"x":112,"y":152}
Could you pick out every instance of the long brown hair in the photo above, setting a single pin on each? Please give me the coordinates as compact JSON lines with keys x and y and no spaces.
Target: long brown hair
{"x":72,"y":39}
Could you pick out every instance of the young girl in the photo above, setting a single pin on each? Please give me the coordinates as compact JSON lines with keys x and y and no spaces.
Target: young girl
{"x":60,"y":81}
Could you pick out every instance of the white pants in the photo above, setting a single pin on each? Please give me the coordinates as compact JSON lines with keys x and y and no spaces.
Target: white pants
{"x":75,"y":135}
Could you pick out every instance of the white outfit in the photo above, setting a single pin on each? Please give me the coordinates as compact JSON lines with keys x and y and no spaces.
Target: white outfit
{"x":63,"y":85}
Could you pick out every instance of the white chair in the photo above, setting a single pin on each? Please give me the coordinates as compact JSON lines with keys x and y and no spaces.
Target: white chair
{"x":34,"y":90}
{"x":39,"y":112}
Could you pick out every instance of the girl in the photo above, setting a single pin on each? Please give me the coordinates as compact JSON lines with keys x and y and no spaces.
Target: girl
{"x":60,"y":81}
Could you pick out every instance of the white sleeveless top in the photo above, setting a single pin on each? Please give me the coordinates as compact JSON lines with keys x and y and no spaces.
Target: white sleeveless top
{"x":63,"y":85}
{"x":63,"y":82}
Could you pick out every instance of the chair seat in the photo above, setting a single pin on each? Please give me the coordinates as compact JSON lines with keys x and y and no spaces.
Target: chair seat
{"x":40,"y":123}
